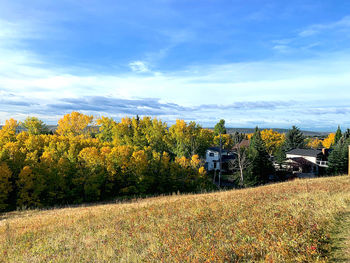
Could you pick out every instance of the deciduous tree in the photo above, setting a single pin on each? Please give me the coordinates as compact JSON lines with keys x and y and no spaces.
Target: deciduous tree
{"x":34,"y":126}
{"x":273,"y":140}
{"x":220,"y":128}
{"x":5,"y":186}
{"x":74,"y":124}
{"x":329,"y":141}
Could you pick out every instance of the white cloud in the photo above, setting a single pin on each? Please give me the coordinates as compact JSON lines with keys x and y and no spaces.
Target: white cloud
{"x":139,"y":66}
{"x":343,"y":23}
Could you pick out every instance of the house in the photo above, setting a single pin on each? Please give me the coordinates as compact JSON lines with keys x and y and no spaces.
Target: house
{"x":244,"y":143}
{"x":306,"y":162}
{"x":212,"y":159}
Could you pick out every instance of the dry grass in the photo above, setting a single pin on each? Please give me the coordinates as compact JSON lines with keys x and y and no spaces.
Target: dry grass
{"x":287,"y":222}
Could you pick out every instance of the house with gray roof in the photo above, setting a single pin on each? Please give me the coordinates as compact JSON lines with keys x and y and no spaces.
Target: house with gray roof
{"x":309,"y":162}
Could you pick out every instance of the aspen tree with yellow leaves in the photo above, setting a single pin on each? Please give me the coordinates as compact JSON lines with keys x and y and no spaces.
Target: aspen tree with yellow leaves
{"x":136,"y":156}
{"x":74,"y":124}
{"x":5,"y":186}
{"x":272,"y":139}
{"x":329,"y":141}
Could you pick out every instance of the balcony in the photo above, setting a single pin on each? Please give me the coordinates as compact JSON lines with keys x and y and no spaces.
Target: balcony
{"x":322,"y":163}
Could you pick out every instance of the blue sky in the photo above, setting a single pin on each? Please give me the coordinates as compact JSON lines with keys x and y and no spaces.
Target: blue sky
{"x":267,"y":63}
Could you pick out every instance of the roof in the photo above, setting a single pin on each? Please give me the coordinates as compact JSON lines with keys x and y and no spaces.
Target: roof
{"x":243,"y":143}
{"x":216,"y":149}
{"x":305,"y":152}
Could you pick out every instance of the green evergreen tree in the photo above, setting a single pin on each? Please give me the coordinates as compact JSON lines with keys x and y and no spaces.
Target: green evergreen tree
{"x":294,"y":139}
{"x":220,"y":128}
{"x":261,"y":166}
{"x":280,"y":155}
{"x":338,"y":158}
{"x":346,"y":134}
{"x":338,"y":135}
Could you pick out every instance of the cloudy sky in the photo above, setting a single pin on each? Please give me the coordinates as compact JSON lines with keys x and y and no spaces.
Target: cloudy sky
{"x":269,"y":63}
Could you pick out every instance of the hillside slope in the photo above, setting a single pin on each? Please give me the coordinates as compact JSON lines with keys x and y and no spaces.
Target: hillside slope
{"x":287,"y":222}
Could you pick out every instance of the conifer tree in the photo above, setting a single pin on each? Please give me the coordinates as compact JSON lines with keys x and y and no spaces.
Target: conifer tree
{"x":338,"y":135}
{"x":294,"y":139}
{"x":338,"y":158}
{"x":261,"y":167}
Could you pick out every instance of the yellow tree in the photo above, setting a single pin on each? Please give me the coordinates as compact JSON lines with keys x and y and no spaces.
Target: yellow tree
{"x":107,"y":125}
{"x":123,"y":132}
{"x":34,"y":126}
{"x":195,"y":161}
{"x":272,"y":139}
{"x":155,"y":132}
{"x":8,"y":131}
{"x":74,"y":124}
{"x":315,"y":143}
{"x":93,"y":175}
{"x":184,"y":139}
{"x":140,"y":166}
{"x":5,"y":185}
{"x":329,"y":141}
{"x":205,"y":140}
{"x":226,"y":141}
{"x":30,"y":187}
{"x":249,"y":135}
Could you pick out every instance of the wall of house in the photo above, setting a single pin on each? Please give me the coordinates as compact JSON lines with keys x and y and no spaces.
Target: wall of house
{"x":309,"y":158}
{"x":210,"y":160}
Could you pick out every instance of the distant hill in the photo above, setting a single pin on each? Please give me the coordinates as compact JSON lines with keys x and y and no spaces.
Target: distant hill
{"x":229,"y":130}
{"x":251,"y":130}
{"x":51,"y":128}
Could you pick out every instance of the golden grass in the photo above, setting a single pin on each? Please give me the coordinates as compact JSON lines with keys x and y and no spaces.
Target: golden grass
{"x":287,"y":222}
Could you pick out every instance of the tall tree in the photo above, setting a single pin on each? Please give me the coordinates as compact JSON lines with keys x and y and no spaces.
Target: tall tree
{"x":273,"y":140}
{"x":261,"y":166}
{"x":338,"y":135}
{"x":294,"y":139}
{"x":241,"y":162}
{"x":329,"y":141}
{"x":5,"y":186}
{"x":338,"y":158}
{"x":8,"y":131}
{"x":107,"y":125}
{"x":346,"y":134}
{"x":220,"y":128}
{"x":74,"y":124}
{"x":34,"y":126}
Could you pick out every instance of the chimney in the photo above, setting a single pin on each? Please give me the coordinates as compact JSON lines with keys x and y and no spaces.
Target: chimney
{"x":325,"y":152}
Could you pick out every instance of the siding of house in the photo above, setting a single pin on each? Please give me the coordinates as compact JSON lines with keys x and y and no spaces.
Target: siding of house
{"x":309,"y":158}
{"x":212,"y":159}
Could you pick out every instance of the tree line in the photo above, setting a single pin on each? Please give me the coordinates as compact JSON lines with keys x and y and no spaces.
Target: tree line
{"x":79,"y":164}
{"x":88,"y":160}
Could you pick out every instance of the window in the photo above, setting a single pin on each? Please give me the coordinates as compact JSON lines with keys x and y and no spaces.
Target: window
{"x":214,"y":165}
{"x":211,"y":154}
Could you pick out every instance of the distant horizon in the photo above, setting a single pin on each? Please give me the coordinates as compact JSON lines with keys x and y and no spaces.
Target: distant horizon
{"x":322,"y":130}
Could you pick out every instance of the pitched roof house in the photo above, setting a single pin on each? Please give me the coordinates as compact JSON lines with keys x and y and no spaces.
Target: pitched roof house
{"x":306,"y":161}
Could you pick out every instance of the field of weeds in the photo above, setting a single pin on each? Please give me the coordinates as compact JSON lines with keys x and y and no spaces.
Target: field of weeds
{"x":286,"y":222}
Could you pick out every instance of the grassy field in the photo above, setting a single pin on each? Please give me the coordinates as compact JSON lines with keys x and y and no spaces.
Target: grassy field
{"x":287,"y":222}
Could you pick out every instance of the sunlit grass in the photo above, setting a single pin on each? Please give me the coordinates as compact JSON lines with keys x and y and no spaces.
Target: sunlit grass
{"x":287,"y":222}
